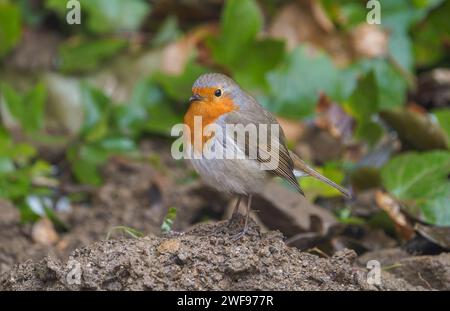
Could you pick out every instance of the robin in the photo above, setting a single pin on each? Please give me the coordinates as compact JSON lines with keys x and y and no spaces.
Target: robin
{"x":218,"y":100}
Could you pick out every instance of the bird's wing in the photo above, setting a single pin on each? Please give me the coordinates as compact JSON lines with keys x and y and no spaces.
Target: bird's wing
{"x":271,"y":147}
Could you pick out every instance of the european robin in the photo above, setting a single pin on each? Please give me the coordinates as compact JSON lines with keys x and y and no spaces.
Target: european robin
{"x":218,"y":100}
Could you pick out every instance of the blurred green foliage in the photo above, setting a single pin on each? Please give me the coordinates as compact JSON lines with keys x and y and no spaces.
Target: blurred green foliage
{"x":106,"y":16}
{"x":10,"y":27}
{"x":168,"y":220}
{"x":420,"y":180}
{"x":80,"y":55}
{"x":287,"y":83}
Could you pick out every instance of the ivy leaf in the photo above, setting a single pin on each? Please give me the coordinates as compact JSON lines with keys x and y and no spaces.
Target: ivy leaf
{"x":363,"y":103}
{"x":295,"y":85}
{"x":420,"y":181}
{"x":265,"y":55}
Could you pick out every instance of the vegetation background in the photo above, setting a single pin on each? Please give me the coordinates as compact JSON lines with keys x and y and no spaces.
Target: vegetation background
{"x":367,"y":104}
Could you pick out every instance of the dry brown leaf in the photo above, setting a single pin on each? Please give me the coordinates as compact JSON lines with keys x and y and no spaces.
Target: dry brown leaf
{"x":392,"y":208}
{"x":334,"y":119}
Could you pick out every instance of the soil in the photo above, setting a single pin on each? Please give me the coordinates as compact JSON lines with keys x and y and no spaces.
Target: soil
{"x":134,"y":194}
{"x":204,"y":258}
{"x":196,"y":256}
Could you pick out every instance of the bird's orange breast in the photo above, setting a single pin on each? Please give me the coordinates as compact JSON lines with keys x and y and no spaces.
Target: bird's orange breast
{"x":209,"y":109}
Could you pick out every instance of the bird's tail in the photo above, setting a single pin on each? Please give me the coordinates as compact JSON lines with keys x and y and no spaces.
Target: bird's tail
{"x":300,"y":165}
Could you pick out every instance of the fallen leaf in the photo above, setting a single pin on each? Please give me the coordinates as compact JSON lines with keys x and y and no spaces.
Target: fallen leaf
{"x":392,"y":208}
{"x":331,"y":117}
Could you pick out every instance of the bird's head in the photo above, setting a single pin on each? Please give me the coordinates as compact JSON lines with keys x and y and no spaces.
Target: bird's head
{"x":215,"y":89}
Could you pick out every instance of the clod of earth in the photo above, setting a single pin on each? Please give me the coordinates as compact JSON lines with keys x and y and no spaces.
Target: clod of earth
{"x":205,"y":258}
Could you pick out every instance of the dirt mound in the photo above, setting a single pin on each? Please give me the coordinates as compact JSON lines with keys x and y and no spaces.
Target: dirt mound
{"x":205,"y":258}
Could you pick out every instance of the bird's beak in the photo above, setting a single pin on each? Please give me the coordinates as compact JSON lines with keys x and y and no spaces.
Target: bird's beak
{"x":195,"y":97}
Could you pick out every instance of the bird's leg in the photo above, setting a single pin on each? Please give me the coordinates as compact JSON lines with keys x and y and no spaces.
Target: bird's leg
{"x":236,"y":207}
{"x":247,"y":215}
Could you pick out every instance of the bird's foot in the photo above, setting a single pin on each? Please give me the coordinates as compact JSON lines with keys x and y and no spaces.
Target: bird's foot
{"x":240,"y":234}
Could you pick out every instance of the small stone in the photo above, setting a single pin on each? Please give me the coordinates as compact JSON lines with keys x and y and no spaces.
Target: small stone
{"x":182,"y":257}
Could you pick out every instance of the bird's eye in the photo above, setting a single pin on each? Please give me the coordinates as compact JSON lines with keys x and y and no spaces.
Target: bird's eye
{"x":218,"y":92}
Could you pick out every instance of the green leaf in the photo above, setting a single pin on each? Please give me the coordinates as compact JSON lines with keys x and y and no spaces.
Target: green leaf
{"x":13,"y":102}
{"x":168,"y":220}
{"x":161,"y":119}
{"x":130,"y":118}
{"x":443,"y":117}
{"x":240,"y":22}
{"x":420,"y":181}
{"x":363,"y":103}
{"x":295,"y":85}
{"x":117,"y":144}
{"x":84,"y":164}
{"x":315,"y":188}
{"x":96,"y":110}
{"x":79,"y":55}
{"x":28,"y":109}
{"x":115,"y":15}
{"x":10,"y":27}
{"x":364,"y":100}
{"x":391,"y":85}
{"x":250,"y":72}
{"x":34,"y":103}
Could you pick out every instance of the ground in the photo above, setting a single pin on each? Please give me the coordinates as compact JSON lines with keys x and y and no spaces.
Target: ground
{"x":204,"y":258}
